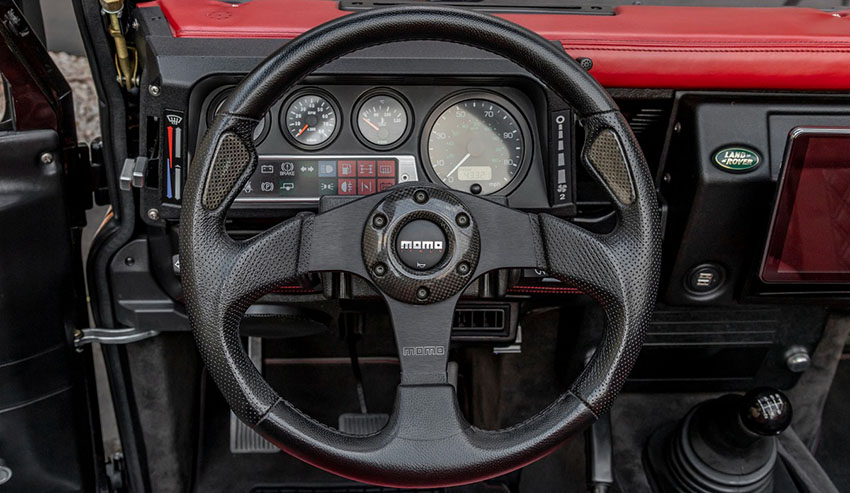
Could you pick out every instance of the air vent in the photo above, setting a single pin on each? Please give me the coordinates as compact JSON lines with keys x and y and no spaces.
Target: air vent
{"x":647,"y":119}
{"x":484,"y":322}
{"x":479,"y":319}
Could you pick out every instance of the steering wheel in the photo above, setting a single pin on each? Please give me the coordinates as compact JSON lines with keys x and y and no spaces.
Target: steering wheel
{"x":427,"y":442}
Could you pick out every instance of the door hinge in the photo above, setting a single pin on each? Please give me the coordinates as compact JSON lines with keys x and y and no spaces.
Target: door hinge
{"x":111,"y":336}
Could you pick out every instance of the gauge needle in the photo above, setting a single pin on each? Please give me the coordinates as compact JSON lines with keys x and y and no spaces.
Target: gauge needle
{"x":302,"y":130}
{"x":371,"y":124}
{"x":459,"y":164}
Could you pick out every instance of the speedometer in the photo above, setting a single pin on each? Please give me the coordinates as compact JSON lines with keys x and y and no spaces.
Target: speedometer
{"x":475,"y":143}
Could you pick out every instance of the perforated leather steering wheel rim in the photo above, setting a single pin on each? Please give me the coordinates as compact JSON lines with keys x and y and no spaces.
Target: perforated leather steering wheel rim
{"x":427,"y":442}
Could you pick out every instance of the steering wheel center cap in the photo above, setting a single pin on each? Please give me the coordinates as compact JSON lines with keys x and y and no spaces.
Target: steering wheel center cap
{"x":421,"y":245}
{"x":416,"y":248}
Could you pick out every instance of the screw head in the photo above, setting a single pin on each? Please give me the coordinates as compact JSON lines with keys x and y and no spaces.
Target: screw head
{"x":153,"y":90}
{"x":129,"y":261}
{"x":463,"y":268}
{"x":462,"y":220}
{"x":379,"y":220}
{"x":47,"y":158}
{"x":586,"y":63}
{"x":379,"y":269}
{"x":420,"y":196}
{"x":153,"y":215}
{"x":422,"y":293}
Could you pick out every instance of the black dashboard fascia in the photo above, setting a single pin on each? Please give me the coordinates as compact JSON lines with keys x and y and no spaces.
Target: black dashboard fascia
{"x":723,"y":218}
{"x":528,"y":191}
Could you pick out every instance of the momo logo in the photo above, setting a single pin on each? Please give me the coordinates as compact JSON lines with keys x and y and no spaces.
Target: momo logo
{"x":421,"y":245}
{"x":423,"y":351}
{"x":174,"y":119}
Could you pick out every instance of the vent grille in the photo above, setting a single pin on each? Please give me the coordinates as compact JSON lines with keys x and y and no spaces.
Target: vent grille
{"x":494,"y":322}
{"x":474,"y":319}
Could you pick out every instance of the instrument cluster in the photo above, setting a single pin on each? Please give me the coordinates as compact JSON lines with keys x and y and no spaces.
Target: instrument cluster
{"x":359,"y":139}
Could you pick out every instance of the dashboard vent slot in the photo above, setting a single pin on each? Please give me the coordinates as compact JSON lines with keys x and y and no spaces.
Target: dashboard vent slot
{"x":484,"y":322}
{"x":647,"y":119}
{"x":479,"y":319}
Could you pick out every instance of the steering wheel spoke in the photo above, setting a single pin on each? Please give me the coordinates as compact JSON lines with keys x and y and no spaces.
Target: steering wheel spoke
{"x":423,"y":334}
{"x":334,"y":240}
{"x":509,"y":238}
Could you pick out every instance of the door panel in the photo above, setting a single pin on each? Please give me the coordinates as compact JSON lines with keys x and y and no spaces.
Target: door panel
{"x":49,"y":434}
{"x":39,"y":383}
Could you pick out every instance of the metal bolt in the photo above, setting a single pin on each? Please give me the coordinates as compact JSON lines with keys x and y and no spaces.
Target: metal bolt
{"x":379,"y":220}
{"x":462,"y":220}
{"x":129,"y":261}
{"x":379,"y":269}
{"x":47,"y":158}
{"x":153,"y":215}
{"x":586,"y":63}
{"x":797,"y":359}
{"x":666,"y":178}
{"x":463,"y":268}
{"x":422,"y":293}
{"x":420,"y":196}
{"x":135,"y":23}
{"x":677,"y":127}
{"x":153,"y":90}
{"x":5,"y":474}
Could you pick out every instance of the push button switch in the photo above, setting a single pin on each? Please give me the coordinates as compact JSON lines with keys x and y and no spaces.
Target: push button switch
{"x":421,"y":245}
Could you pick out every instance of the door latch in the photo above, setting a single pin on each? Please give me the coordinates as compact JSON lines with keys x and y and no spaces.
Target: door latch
{"x":111,"y":336}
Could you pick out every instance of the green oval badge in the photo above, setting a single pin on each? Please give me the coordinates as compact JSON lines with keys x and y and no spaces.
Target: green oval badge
{"x":737,"y":159}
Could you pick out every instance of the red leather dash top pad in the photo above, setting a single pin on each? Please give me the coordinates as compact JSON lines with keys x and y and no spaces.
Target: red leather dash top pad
{"x":639,"y":46}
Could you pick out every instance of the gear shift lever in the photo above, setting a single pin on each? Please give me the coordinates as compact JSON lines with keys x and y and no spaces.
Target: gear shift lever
{"x":728,"y":443}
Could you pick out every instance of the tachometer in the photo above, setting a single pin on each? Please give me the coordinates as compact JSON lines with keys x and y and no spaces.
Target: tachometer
{"x":309,"y":119}
{"x":475,"y":143}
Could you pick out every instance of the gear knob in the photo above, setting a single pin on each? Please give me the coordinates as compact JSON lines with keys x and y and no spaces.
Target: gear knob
{"x":766,"y":411}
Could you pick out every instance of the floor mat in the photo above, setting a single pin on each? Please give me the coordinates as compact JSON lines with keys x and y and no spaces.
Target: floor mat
{"x":834,"y":449}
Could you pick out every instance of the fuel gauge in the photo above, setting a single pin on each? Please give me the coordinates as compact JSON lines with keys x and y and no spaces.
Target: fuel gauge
{"x":382,"y":119}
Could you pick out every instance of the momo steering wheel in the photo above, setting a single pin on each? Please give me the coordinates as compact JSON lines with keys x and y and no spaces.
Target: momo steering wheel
{"x":427,"y":442}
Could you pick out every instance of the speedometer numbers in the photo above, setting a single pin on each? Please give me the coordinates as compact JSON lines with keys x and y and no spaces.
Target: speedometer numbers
{"x":474,"y":143}
{"x":310,"y":119}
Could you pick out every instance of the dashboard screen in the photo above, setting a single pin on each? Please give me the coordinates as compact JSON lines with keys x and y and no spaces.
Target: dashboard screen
{"x":810,"y":236}
{"x":295,"y":178}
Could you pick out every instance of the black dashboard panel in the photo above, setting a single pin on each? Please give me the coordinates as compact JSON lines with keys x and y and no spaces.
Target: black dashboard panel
{"x":292,"y":175}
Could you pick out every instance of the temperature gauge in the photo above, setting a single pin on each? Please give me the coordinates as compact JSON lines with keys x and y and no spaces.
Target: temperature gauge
{"x":382,"y":119}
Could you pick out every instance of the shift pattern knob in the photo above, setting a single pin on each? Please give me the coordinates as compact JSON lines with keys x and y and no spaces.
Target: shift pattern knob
{"x":766,"y":411}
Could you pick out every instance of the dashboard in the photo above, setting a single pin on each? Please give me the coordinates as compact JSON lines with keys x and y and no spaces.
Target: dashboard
{"x":466,"y":119}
